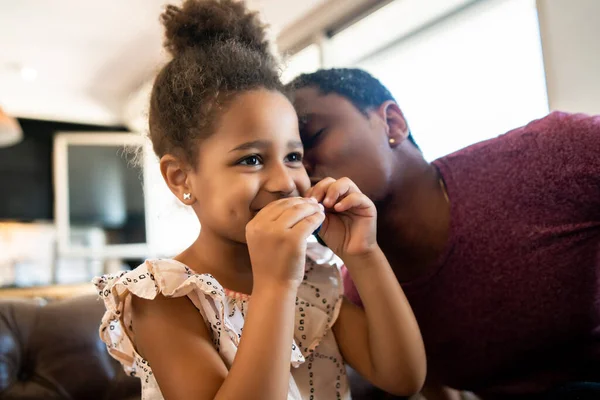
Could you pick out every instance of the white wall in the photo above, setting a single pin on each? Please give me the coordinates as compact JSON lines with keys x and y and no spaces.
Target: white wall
{"x":570,"y":31}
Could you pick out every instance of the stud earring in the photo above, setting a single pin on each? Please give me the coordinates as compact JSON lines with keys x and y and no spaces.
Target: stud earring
{"x":187,"y":196}
{"x":392,"y":140}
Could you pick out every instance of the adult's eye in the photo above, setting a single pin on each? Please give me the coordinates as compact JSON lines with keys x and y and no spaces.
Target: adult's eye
{"x":309,"y":141}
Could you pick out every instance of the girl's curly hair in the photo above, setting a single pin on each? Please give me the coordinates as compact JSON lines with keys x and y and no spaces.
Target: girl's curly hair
{"x":219,"y":48}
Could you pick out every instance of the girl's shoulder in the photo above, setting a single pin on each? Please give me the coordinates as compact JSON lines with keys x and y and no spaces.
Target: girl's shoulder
{"x":171,"y":279}
{"x":317,"y":305}
{"x":168,"y":277}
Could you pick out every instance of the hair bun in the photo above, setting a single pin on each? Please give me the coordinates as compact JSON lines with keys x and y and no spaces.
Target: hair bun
{"x":200,"y":23}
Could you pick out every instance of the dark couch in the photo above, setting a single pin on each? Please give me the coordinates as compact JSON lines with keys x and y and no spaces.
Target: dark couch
{"x":51,"y":350}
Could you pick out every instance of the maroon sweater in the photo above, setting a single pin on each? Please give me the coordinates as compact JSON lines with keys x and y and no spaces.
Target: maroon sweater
{"x":513,"y":305}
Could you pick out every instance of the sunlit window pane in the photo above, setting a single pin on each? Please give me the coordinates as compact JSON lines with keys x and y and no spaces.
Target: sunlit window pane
{"x":305,"y":61}
{"x":471,"y":77}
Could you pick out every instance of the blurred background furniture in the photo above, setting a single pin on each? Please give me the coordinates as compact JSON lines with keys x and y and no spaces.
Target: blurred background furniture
{"x":51,"y":350}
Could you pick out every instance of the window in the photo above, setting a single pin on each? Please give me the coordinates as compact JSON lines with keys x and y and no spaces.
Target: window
{"x":305,"y":61}
{"x":385,"y":26}
{"x":462,"y":71}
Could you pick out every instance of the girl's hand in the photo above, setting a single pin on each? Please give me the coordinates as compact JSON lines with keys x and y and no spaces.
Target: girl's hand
{"x":350,"y":222}
{"x":276,"y":239}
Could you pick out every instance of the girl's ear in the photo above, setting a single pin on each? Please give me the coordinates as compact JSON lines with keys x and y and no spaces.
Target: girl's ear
{"x":176,"y":175}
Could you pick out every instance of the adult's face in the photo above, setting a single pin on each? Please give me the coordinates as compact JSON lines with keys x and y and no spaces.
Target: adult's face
{"x":341,"y":141}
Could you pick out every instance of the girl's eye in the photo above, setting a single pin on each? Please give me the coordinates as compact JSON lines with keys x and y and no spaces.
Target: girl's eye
{"x":252,"y":160}
{"x":294,"y":157}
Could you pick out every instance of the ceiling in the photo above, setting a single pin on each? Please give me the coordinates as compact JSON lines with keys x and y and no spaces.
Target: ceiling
{"x":83,"y":61}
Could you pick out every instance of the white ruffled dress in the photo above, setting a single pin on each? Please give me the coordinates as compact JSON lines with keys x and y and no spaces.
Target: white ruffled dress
{"x":316,"y":366}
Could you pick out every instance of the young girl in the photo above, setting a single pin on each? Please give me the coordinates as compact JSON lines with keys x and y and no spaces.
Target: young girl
{"x":250,"y":310}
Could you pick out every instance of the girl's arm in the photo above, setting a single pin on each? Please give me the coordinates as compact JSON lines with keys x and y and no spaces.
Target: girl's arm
{"x":382,"y":341}
{"x":172,"y":335}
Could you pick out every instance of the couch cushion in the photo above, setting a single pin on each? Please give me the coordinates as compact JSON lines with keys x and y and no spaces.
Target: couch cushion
{"x":53,"y":351}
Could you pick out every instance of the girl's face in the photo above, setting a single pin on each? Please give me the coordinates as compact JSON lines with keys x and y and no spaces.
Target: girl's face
{"x":253,"y":158}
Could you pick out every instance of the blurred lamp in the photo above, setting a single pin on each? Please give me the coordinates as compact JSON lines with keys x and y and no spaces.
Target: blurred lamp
{"x":10,"y":130}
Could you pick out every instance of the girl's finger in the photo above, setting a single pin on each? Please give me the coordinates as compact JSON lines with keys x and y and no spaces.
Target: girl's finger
{"x":318,"y":191}
{"x":296,"y":213}
{"x":306,"y":226}
{"x":338,"y":190}
{"x":273,"y":211}
{"x":354,"y":200}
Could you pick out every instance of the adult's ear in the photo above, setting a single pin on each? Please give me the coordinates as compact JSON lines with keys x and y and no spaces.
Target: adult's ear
{"x":396,"y":126}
